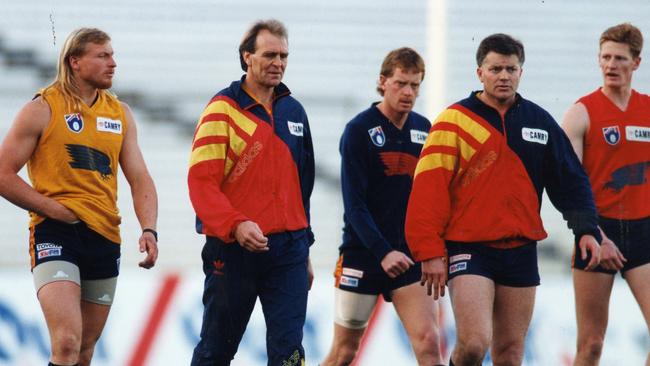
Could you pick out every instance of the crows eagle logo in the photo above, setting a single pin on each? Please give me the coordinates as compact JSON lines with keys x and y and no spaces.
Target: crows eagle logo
{"x":85,"y":157}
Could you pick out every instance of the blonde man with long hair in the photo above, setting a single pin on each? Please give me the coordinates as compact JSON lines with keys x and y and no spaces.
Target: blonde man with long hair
{"x":72,"y":136}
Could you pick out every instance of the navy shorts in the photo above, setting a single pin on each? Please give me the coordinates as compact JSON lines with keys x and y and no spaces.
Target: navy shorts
{"x":234,"y":279}
{"x":358,"y":271}
{"x":513,"y":267}
{"x":97,"y":257}
{"x":632,"y":237}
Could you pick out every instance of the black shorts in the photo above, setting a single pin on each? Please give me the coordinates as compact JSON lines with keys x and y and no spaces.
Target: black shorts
{"x":631,"y":237}
{"x":514,"y":267}
{"x":96,"y":256}
{"x":358,"y":271}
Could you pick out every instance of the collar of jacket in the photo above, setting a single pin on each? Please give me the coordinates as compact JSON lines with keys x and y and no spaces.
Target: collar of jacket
{"x":246,"y":101}
{"x":473,"y":96}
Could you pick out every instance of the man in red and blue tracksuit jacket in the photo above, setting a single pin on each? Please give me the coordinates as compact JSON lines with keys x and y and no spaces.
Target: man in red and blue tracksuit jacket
{"x":496,"y":170}
{"x":252,"y":164}
{"x":477,"y":195}
{"x":474,"y":211}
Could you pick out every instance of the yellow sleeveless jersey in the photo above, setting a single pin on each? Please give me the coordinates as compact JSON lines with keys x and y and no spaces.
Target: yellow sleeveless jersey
{"x":76,"y":160}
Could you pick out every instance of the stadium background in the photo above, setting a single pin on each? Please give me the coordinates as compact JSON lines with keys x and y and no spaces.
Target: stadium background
{"x":173,"y":56}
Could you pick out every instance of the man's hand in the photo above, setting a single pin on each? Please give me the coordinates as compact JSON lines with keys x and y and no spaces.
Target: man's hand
{"x":64,"y":214}
{"x":250,"y":236}
{"x":610,"y":257}
{"x":149,"y":244}
{"x":589,"y":244}
{"x":395,"y":263}
{"x":434,"y":274}
{"x":310,"y":273}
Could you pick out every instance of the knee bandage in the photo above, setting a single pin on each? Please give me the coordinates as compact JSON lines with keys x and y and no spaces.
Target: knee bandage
{"x":352,"y":310}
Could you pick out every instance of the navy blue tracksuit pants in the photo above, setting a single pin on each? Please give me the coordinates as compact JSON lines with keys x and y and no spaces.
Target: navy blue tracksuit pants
{"x":234,"y":278}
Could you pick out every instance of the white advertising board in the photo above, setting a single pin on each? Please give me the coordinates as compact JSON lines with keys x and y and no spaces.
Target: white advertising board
{"x":157,"y":317}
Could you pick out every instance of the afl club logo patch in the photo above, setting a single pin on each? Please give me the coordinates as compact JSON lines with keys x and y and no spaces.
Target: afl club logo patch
{"x":74,"y":122}
{"x":377,"y":136}
{"x":612,"y":135}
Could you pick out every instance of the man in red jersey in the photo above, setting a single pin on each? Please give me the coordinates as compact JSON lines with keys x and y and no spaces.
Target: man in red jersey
{"x":610,"y":132}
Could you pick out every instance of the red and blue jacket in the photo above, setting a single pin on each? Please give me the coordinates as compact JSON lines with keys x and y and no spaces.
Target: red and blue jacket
{"x":377,"y":165}
{"x":480,"y":179}
{"x":249,"y":164}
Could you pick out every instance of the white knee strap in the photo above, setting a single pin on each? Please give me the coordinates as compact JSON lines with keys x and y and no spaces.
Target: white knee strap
{"x":352,"y":310}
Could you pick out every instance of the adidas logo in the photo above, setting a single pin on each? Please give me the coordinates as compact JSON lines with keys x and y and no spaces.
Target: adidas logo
{"x":60,"y":274}
{"x":218,"y":267}
{"x":106,"y":297}
{"x":218,"y":264}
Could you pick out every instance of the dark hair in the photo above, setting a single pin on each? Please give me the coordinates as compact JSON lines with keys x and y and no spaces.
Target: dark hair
{"x":624,"y":33}
{"x":405,"y":58}
{"x":502,"y":44}
{"x":249,"y":41}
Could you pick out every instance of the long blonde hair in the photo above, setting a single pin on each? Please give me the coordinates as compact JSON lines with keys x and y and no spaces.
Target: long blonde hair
{"x":74,"y":46}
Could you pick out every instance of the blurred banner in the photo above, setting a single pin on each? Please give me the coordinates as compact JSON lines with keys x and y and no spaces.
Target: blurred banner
{"x":157,"y":317}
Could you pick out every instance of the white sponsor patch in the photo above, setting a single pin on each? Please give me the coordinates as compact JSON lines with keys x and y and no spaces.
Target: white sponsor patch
{"x":534,"y":135}
{"x":49,"y":253}
{"x":418,"y":137}
{"x":459,"y":257}
{"x":457,"y":267}
{"x":60,"y":274}
{"x":109,"y":125}
{"x":637,"y":133}
{"x":350,"y":282}
{"x":105,"y":298}
{"x":352,"y":272}
{"x":43,"y":246}
{"x":295,"y":128}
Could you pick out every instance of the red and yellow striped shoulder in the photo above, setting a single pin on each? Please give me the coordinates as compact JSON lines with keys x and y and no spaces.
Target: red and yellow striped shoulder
{"x":456,"y":132}
{"x":223,"y":132}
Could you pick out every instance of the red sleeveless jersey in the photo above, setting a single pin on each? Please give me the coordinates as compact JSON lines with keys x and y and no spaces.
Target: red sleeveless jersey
{"x":616,"y":155}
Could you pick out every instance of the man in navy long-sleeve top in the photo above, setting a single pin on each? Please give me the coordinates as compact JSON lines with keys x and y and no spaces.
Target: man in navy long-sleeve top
{"x":379,"y":152}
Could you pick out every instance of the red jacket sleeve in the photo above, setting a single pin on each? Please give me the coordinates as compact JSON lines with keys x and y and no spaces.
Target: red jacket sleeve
{"x":210,"y":161}
{"x":429,"y":206}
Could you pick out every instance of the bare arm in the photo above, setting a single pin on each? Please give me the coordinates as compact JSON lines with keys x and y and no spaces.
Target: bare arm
{"x":17,"y":147}
{"x":143,"y":190}
{"x":575,"y":124}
